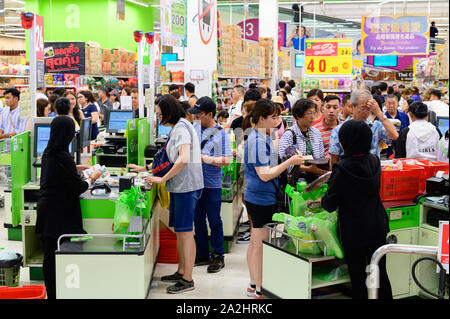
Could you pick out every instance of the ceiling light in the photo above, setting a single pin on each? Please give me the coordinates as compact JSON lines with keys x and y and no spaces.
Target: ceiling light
{"x":138,"y":3}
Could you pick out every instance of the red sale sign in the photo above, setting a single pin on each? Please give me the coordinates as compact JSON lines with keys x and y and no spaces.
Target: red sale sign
{"x":322,"y":49}
{"x":443,"y":244}
{"x":39,"y":37}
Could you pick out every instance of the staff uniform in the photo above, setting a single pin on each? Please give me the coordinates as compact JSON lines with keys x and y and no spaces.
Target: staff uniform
{"x":354,"y":189}
{"x":260,"y":197}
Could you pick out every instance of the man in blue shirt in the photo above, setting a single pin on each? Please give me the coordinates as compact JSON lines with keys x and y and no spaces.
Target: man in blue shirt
{"x":391,"y":104}
{"x":215,"y":147}
{"x":298,"y":42}
{"x":382,"y":130}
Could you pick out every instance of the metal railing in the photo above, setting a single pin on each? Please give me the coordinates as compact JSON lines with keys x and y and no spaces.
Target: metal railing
{"x":273,"y":229}
{"x":373,"y":278}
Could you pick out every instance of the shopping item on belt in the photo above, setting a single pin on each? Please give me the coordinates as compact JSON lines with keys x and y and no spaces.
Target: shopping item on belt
{"x":126,"y":204}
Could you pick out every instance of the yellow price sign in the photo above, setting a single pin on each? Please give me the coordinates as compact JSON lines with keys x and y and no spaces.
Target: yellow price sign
{"x":328,"y":65}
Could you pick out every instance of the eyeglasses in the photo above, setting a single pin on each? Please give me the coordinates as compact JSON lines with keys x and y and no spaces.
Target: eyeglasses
{"x":158,"y":115}
{"x":310,"y":113}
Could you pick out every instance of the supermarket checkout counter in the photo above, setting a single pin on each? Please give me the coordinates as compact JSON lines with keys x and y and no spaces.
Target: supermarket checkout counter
{"x":288,"y":273}
{"x":102,"y":267}
{"x":106,"y":266}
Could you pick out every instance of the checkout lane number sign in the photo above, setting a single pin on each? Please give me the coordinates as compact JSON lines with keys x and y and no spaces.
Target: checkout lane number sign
{"x":443,"y":245}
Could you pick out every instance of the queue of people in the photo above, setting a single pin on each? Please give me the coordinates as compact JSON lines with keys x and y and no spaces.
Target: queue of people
{"x":348,"y":134}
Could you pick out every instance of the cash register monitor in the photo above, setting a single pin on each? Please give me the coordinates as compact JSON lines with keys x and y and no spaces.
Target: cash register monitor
{"x":442,"y":124}
{"x":41,"y":138}
{"x":162,"y":131}
{"x":85,"y":132}
{"x":117,"y":122}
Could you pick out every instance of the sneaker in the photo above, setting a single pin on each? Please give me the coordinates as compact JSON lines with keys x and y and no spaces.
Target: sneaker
{"x":201,"y":261}
{"x":217,"y":263}
{"x":172,"y":278}
{"x":181,"y":286}
{"x":242,"y":233}
{"x":251,"y":291}
{"x":245,"y":239}
{"x":258,"y":295}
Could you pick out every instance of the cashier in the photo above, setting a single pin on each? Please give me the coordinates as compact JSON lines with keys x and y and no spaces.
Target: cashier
{"x":58,"y":210}
{"x":354,"y":190}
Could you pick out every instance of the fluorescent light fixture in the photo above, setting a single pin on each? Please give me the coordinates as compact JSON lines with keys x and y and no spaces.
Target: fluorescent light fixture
{"x":18,"y":1}
{"x":11,"y":36}
{"x":138,"y":3}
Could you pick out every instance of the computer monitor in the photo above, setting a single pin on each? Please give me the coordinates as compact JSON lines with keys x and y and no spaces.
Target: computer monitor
{"x":385,"y":60}
{"x":299,"y":60}
{"x":117,"y":122}
{"x":162,"y":130}
{"x":168,"y":57}
{"x":41,"y":138}
{"x":442,"y":124}
{"x":85,"y":132}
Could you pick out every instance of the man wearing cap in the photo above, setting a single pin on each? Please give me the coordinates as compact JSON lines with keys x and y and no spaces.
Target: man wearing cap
{"x":215,"y":148}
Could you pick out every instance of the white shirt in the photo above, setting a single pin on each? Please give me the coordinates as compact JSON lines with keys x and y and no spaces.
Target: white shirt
{"x":291,"y":98}
{"x":235,"y":110}
{"x":438,"y":107}
{"x":40,"y":95}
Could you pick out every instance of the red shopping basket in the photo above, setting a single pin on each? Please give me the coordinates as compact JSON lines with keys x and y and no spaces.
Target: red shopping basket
{"x":402,"y":184}
{"x":168,"y":252}
{"x":24,"y":292}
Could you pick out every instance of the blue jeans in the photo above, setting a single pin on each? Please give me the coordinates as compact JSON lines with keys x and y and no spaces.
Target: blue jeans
{"x":209,"y":205}
{"x":182,"y":208}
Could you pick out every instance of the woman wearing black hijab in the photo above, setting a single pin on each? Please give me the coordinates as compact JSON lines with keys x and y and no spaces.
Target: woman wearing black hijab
{"x":58,"y":210}
{"x":354,"y":189}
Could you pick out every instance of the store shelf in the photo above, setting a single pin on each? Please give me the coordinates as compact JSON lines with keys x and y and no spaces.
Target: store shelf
{"x":331,"y":90}
{"x":13,"y":76}
{"x":60,"y":86}
{"x":317,"y":283}
{"x":109,"y":75}
{"x":170,"y":83}
{"x":241,"y":77}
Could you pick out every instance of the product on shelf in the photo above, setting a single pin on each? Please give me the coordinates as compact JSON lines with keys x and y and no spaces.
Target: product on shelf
{"x":338,"y":84}
{"x":109,"y":61}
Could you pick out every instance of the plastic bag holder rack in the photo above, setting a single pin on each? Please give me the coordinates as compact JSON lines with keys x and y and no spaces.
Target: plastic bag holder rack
{"x":272,"y":227}
{"x":133,"y":238}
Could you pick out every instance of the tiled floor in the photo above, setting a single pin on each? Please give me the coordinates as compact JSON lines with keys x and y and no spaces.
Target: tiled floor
{"x":230,"y":282}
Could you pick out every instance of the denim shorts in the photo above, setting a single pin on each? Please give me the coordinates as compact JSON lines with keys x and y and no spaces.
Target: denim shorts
{"x":182,"y":210}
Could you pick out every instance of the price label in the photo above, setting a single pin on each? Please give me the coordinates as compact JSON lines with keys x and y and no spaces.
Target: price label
{"x":328,"y":65}
{"x":39,"y":37}
{"x":178,"y":19}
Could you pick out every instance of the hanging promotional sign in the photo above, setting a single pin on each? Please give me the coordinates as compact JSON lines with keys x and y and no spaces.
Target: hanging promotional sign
{"x":173,"y":22}
{"x":328,"y":56}
{"x":443,"y":245}
{"x":120,"y":9}
{"x":394,"y":35}
{"x":65,"y":57}
{"x":252,"y":31}
{"x":40,"y":66}
{"x":404,"y":76}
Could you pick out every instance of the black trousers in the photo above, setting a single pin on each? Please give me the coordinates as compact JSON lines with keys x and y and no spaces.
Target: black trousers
{"x":358,"y":257}
{"x":49,"y":268}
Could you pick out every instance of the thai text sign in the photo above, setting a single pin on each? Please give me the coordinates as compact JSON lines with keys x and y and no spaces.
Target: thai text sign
{"x":394,"y":35}
{"x":328,"y":56}
{"x":65,"y":57}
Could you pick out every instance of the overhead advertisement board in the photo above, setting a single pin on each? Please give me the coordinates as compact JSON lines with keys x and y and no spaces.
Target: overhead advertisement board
{"x":328,"y":56}
{"x":394,"y":35}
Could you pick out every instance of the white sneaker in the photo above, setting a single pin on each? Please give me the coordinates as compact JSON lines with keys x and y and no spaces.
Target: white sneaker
{"x":245,"y":239}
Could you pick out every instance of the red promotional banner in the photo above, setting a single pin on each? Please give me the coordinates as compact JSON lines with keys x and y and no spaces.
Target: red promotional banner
{"x":322,"y":49}
{"x":443,"y":244}
{"x":39,"y":37}
{"x":65,"y":57}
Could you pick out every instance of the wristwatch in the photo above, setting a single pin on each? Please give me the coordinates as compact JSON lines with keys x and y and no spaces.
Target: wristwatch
{"x":384,"y":117}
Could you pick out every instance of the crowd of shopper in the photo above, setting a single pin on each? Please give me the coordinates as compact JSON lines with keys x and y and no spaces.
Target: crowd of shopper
{"x":350,"y":136}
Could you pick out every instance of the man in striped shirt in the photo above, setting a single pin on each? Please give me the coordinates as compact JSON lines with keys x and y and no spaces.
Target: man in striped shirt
{"x":330,"y":120}
{"x":10,"y":122}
